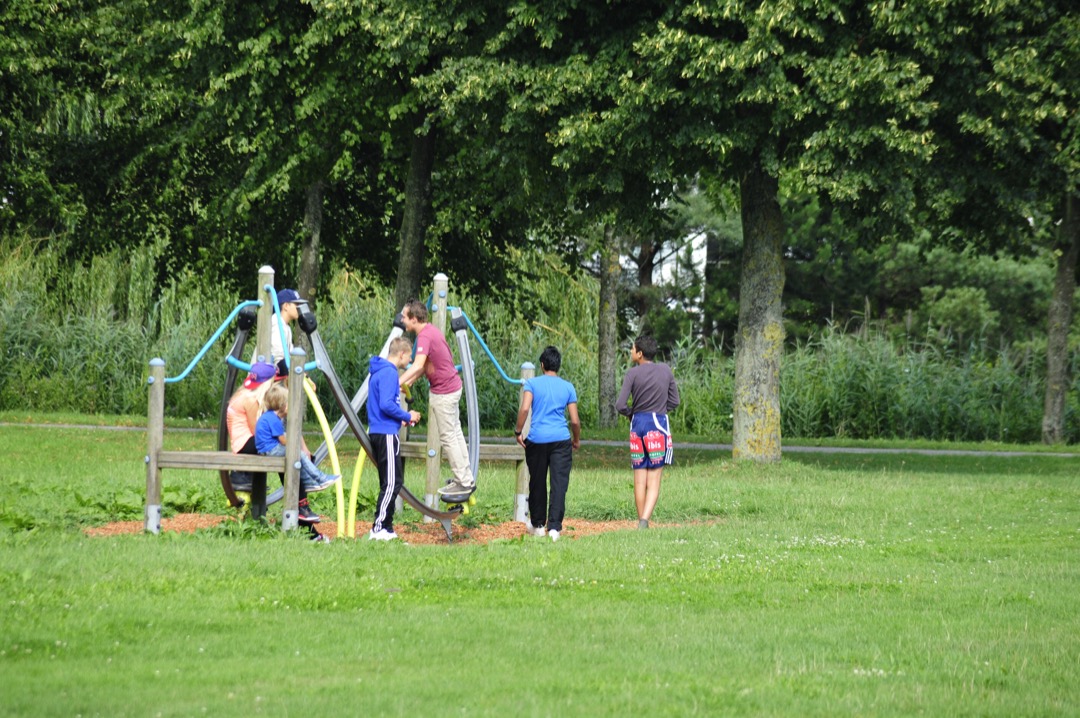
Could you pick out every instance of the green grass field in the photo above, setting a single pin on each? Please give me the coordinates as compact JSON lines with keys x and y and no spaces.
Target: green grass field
{"x":830,"y":584}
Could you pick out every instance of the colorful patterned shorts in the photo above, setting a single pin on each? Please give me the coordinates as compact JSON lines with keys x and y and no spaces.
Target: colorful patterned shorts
{"x":650,"y":441}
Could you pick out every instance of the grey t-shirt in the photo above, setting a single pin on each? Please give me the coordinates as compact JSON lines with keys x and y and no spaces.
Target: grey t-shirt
{"x":653,"y":388}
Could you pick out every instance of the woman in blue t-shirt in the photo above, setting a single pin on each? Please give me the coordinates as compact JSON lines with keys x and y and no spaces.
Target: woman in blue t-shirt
{"x":550,"y":443}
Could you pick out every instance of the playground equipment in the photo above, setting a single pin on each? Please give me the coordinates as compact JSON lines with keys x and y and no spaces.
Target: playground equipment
{"x":225,"y":462}
{"x":157,"y":458}
{"x":431,"y":450}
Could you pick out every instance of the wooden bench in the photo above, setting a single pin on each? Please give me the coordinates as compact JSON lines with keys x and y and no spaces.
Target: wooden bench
{"x":157,"y":458}
{"x":488,"y":452}
{"x":220,"y":460}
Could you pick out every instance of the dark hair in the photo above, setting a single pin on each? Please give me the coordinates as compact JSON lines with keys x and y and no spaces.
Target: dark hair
{"x":417,"y":310}
{"x":647,"y":346}
{"x":550,"y":359}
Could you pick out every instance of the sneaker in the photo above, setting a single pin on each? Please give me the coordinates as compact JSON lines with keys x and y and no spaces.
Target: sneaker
{"x":643,"y":524}
{"x":454,"y":488}
{"x":307,"y":516}
{"x":240,"y":480}
{"x":381,"y":535}
{"x":553,"y":533}
{"x":536,"y":530}
{"x":320,"y":538}
{"x":324,"y":482}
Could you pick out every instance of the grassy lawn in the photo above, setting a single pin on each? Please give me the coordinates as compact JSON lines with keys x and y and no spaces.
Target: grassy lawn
{"x":830,"y":584}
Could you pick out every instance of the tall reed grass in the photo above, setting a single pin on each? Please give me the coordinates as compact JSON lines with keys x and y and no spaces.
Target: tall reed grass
{"x":79,"y":338}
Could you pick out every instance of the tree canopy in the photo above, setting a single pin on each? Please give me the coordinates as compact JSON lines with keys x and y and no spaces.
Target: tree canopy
{"x":440,"y":134}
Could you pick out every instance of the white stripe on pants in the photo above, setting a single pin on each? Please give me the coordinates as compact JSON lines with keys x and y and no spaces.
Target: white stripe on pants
{"x":388,"y":462}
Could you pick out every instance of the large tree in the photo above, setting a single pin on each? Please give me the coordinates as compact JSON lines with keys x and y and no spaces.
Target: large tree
{"x":830,"y":92}
{"x":1009,"y":138}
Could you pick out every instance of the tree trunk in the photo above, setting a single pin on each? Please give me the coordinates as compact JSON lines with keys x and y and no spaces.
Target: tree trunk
{"x":759,"y":342}
{"x":1059,"y":319}
{"x":710,"y":285}
{"x":607,"y":338}
{"x":414,"y":220}
{"x":646,"y":268}
{"x":307,"y":282}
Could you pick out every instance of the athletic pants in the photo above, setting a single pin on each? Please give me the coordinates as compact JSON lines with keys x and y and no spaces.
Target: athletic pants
{"x":554,"y":458}
{"x":391,"y":473}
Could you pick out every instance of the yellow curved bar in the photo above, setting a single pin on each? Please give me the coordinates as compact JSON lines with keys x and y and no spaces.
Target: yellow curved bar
{"x":351,"y":526}
{"x":328,"y":437}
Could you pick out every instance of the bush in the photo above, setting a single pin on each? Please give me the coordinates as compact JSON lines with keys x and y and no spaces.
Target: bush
{"x":94,"y":359}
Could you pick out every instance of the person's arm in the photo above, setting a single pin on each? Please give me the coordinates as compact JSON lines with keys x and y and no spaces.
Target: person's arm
{"x":673,"y":395}
{"x":414,"y":371}
{"x":622,"y":403}
{"x":575,"y":425}
{"x":386,"y":398}
{"x":251,"y":411}
{"x":279,"y":427}
{"x":523,"y":414}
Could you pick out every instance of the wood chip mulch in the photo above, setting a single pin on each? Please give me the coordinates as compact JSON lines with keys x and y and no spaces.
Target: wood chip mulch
{"x":412,"y":533}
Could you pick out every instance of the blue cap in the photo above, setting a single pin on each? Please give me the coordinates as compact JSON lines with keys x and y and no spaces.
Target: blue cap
{"x":289,"y":295}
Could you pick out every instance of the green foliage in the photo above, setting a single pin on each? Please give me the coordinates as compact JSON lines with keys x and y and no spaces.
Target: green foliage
{"x":250,"y":531}
{"x":963,"y":311}
{"x":935,"y":379}
{"x":840,"y":385}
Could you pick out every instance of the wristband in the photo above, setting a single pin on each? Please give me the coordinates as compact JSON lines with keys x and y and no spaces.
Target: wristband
{"x":517,"y":433}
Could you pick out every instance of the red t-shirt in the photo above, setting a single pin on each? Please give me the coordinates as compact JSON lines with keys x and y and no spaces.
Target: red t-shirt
{"x":439,"y":369}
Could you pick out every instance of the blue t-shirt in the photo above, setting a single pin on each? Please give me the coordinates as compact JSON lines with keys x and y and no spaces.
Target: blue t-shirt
{"x":267,"y":430}
{"x":551,"y":395}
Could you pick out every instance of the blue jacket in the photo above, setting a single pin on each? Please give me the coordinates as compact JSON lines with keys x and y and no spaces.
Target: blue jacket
{"x":384,"y":413}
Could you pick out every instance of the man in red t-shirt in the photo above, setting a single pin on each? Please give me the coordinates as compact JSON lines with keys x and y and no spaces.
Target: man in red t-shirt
{"x":434,"y":360}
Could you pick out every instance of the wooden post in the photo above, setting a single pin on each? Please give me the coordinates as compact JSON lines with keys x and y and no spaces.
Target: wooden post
{"x":290,"y":514}
{"x":155,"y":431}
{"x":521,"y":496}
{"x":265,"y":320}
{"x":263,"y":326}
{"x":403,"y":436}
{"x":434,"y":448}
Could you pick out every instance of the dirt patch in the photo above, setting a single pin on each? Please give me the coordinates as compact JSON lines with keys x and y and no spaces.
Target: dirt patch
{"x":412,"y":533}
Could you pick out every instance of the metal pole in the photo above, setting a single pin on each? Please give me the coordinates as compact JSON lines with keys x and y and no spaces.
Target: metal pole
{"x":155,"y":430}
{"x":434,"y":448}
{"x":521,"y":503}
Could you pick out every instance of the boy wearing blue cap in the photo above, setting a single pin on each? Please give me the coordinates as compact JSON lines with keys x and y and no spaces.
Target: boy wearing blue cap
{"x":289,"y":301}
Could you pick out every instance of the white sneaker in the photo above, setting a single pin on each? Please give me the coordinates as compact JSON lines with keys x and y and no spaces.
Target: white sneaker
{"x":381,"y":535}
{"x":535,"y":530}
{"x":554,"y":535}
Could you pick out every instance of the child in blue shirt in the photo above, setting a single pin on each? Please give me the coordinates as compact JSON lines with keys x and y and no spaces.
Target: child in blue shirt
{"x":270,"y":439}
{"x":385,"y":418}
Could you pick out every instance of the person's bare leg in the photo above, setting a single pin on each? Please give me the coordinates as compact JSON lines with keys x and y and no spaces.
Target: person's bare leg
{"x":640,"y":489}
{"x":652,"y":492}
